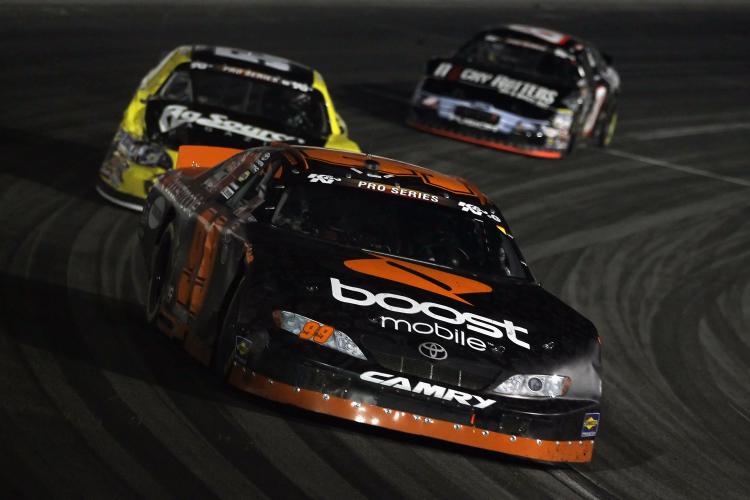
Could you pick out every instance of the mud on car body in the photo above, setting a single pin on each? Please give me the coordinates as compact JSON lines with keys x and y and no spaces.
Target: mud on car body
{"x":372,"y":290}
{"x":217,"y":96}
{"x":522,"y":89}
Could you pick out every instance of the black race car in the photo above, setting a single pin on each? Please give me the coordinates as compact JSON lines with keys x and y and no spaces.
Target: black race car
{"x":372,"y":290}
{"x":522,"y":89}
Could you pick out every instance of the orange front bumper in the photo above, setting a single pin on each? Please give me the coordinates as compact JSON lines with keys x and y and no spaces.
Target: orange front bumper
{"x":536,"y":449}
{"x":490,"y":144}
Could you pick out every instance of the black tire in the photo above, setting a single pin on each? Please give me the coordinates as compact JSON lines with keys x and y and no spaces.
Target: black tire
{"x":160,"y":266}
{"x":606,"y":129}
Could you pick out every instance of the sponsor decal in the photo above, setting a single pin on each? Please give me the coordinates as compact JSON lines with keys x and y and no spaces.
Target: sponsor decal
{"x":255,"y":75}
{"x":398,"y":191}
{"x":432,"y":390}
{"x":267,"y":60}
{"x":439,"y":315}
{"x":537,"y":95}
{"x":519,"y":89}
{"x":323,"y":178}
{"x":176,"y":115}
{"x":442,"y":70}
{"x":312,"y":330}
{"x":454,"y":335}
{"x":242,"y":347}
{"x":432,"y":350}
{"x":590,"y":424}
{"x":229,"y":190}
{"x":468,"y":207}
{"x":419,"y":276}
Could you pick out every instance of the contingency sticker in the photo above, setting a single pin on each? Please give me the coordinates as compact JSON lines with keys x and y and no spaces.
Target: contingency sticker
{"x":590,"y":424}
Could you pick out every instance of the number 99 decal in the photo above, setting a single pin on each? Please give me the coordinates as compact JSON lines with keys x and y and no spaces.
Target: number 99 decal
{"x":316,"y":332}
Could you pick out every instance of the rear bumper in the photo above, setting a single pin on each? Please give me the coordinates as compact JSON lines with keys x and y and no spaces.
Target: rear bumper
{"x":421,"y":120}
{"x":349,"y":405}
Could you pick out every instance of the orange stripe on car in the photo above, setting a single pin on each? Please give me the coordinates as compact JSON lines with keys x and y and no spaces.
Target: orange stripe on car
{"x":203,"y":156}
{"x":410,"y":423}
{"x":408,"y":273}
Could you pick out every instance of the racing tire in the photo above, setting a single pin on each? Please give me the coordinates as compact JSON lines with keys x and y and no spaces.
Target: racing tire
{"x":160,"y":265}
{"x":606,"y":130}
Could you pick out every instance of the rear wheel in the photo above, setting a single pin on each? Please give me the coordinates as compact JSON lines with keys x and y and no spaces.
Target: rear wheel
{"x":161,"y":260}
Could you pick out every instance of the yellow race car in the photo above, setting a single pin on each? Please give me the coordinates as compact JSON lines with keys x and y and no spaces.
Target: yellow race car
{"x":216,"y":96}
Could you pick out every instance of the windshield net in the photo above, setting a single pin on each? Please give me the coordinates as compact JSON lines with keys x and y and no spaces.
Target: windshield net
{"x":397,"y":226}
{"x":292,"y":111}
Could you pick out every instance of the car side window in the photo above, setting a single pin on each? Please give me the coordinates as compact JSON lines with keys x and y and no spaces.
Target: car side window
{"x":584,"y":62}
{"x":178,"y":87}
{"x":252,"y":192}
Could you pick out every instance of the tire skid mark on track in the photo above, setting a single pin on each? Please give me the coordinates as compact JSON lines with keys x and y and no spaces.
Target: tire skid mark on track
{"x":335,"y":450}
{"x":41,"y":365}
{"x":670,"y":297}
{"x":272,"y":434}
{"x":584,"y":238}
{"x":139,"y":386}
{"x":75,"y":368}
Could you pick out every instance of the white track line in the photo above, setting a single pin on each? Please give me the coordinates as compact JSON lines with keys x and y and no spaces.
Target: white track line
{"x":672,"y":132}
{"x":680,"y":168}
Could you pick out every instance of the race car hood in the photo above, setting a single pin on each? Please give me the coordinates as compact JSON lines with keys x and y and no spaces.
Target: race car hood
{"x":503,"y":88}
{"x":176,"y":124}
{"x":429,"y":321}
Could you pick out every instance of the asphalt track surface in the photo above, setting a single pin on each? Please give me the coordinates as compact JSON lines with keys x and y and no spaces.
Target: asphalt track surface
{"x":650,"y":240}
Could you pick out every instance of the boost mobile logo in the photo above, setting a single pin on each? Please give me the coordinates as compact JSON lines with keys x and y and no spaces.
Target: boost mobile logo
{"x":408,"y":273}
{"x":438,"y":312}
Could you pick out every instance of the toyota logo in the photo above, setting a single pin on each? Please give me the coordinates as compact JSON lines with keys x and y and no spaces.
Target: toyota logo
{"x":433,"y":351}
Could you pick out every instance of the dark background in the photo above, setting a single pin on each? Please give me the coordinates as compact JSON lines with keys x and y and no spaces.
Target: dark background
{"x":649,"y":239}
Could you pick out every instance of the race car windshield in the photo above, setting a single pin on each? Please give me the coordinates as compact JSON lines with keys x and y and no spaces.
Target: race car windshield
{"x":290,"y":110}
{"x":538,"y":63}
{"x":398,"y":226}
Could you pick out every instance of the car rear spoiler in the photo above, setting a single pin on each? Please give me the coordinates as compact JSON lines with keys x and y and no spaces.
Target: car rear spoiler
{"x":203,"y":156}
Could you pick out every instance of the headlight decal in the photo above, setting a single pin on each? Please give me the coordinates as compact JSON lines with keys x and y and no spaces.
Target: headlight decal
{"x":143,"y":153}
{"x":320,"y":333}
{"x":534,"y":386}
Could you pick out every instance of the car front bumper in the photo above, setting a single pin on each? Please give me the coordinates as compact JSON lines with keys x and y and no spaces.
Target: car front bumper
{"x":427,"y":120}
{"x":549,"y":430}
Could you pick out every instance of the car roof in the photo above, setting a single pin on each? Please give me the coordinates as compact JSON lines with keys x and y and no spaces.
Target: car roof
{"x":536,"y":34}
{"x":257,"y":61}
{"x":381,"y":170}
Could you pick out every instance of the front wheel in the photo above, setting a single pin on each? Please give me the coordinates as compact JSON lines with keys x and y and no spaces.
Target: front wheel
{"x":607,"y":129}
{"x":160,"y":266}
